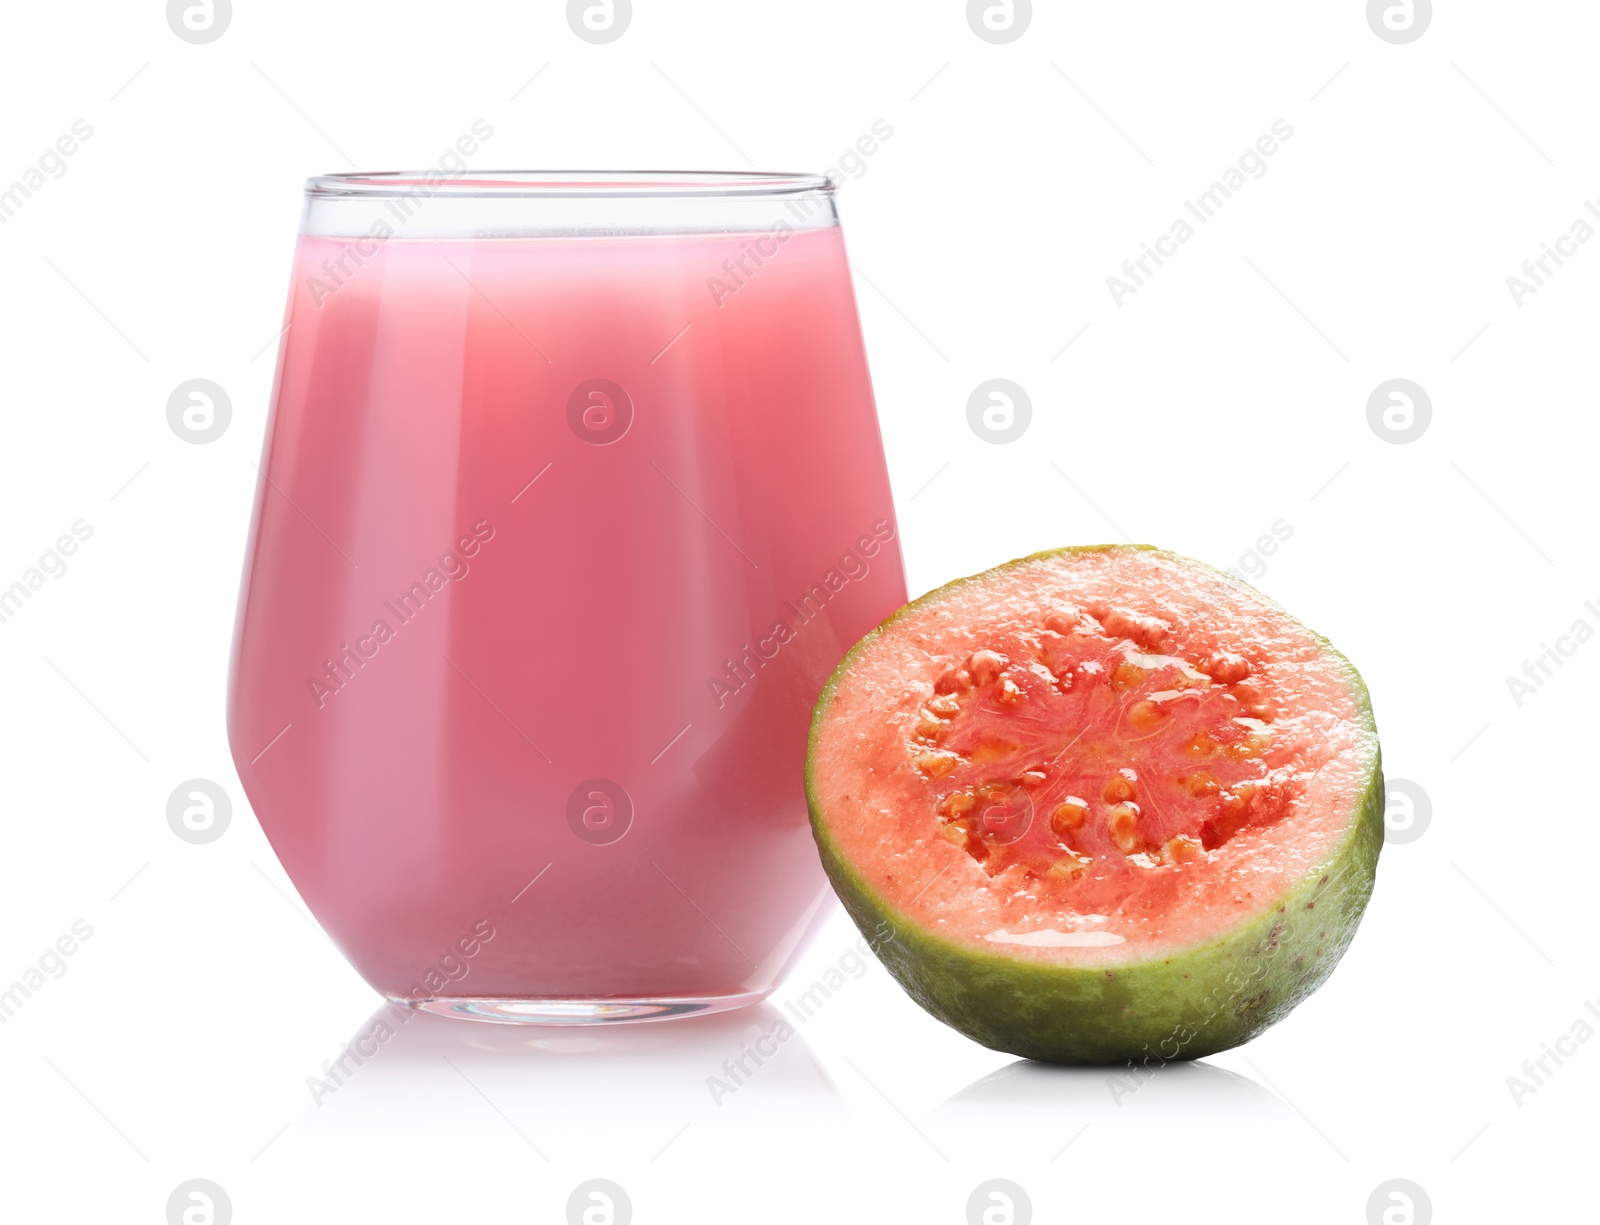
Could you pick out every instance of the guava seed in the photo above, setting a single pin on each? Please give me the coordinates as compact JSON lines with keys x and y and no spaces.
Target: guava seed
{"x":1225,"y":667}
{"x":936,"y":765}
{"x":1127,"y":675}
{"x":1122,"y":823}
{"x":1069,"y":866}
{"x":1145,"y":715}
{"x":1146,"y":631}
{"x":1068,"y":816}
{"x":1182,"y":849}
{"x":985,"y":665}
{"x":1062,"y":620}
{"x":1120,"y":786}
{"x":958,"y":680}
{"x":958,"y":803}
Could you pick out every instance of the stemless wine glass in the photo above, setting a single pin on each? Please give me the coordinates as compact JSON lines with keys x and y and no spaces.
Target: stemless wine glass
{"x":572,"y":496}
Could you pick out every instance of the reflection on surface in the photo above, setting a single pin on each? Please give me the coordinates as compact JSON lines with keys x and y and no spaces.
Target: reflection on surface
{"x":422,"y":1073}
{"x":1028,"y":1096}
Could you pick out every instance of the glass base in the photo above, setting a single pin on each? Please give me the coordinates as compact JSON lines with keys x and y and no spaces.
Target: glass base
{"x":600,"y":1011}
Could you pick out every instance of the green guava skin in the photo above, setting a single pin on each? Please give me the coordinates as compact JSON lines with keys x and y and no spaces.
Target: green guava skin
{"x":1192,"y":1003}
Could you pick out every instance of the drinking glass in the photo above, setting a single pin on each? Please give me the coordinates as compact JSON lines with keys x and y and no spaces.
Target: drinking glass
{"x":571,"y":498}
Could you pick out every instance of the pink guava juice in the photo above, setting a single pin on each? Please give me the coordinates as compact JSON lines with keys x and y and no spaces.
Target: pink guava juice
{"x":556,"y":541}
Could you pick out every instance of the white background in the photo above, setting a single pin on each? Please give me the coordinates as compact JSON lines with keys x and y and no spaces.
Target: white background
{"x":1227,"y":394}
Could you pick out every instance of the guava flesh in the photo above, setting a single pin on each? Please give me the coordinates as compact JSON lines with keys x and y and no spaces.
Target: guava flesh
{"x":1099,"y":805}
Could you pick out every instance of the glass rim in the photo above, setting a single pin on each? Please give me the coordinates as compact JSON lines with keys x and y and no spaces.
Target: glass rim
{"x":598,"y":184}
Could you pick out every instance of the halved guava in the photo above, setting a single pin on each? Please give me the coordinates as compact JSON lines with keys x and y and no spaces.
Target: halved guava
{"x":1099,"y":804}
